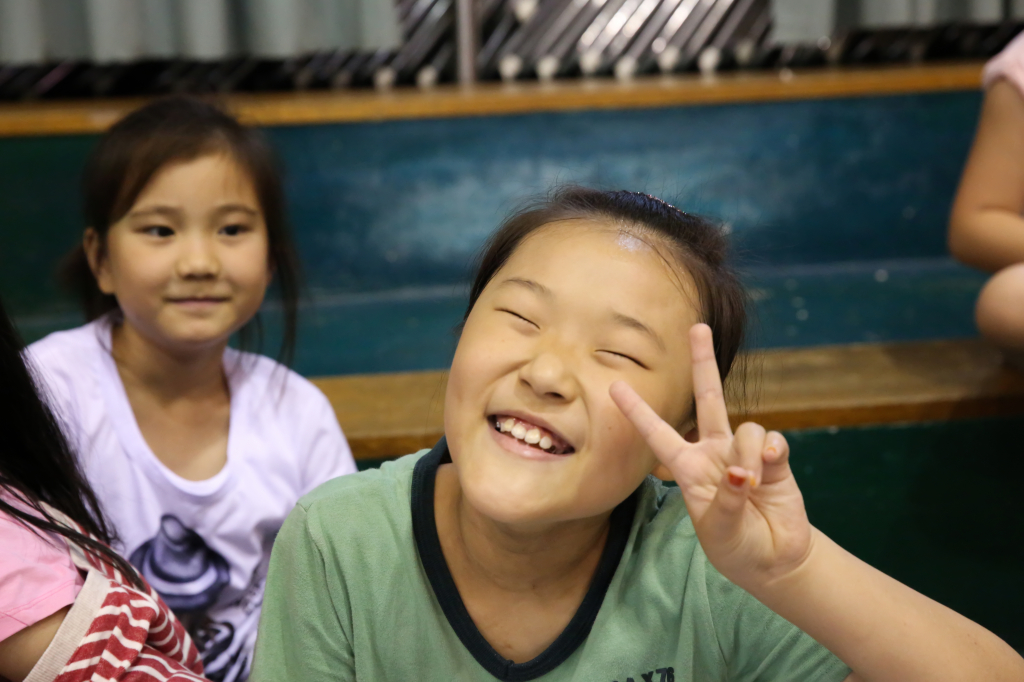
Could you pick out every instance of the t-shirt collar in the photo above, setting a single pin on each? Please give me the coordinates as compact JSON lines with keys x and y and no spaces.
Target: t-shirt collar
{"x":428,"y":545}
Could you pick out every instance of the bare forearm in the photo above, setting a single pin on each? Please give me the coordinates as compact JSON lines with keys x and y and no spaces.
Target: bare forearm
{"x":989,"y":239}
{"x":881,"y":628}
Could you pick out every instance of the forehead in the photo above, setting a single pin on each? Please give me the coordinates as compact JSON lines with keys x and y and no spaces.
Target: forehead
{"x":206,"y":176}
{"x":604,"y":263}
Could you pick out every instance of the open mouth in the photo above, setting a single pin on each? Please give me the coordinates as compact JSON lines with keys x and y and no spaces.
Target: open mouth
{"x":531,"y":434}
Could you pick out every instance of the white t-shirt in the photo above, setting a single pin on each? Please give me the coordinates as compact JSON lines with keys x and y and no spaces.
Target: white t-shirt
{"x":204,"y":545}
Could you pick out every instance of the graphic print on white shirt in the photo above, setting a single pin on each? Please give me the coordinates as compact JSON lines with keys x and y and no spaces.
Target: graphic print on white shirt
{"x":189,"y":576}
{"x":283,"y":441}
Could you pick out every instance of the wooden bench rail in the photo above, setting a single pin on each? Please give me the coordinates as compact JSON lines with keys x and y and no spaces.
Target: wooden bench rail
{"x":386,"y":415}
{"x":491,"y":99}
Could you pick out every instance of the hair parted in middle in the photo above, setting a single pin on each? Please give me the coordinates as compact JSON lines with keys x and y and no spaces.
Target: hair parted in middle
{"x":697,"y":244}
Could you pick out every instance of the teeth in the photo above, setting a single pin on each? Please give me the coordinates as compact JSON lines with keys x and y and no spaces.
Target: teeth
{"x":531,"y":435}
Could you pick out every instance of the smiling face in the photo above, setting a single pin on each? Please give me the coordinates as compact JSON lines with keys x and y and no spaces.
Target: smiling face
{"x":533,"y":433}
{"x":188,"y":263}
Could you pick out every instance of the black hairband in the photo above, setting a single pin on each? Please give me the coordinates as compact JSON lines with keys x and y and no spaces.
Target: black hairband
{"x":660,"y":201}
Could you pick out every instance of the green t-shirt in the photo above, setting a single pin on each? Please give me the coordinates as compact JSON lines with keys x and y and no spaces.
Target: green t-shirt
{"x":358,"y":590}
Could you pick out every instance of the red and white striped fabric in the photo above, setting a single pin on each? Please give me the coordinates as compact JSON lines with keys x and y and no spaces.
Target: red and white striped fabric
{"x":115,"y":631}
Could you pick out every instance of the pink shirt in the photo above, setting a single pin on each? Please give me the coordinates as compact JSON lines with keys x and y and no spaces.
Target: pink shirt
{"x":37,"y":577}
{"x":1008,"y":64}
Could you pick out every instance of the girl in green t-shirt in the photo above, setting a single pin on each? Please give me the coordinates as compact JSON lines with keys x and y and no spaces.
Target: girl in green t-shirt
{"x":531,"y":543}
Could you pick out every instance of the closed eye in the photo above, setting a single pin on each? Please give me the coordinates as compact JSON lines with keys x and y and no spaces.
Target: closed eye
{"x":515,"y":314}
{"x":625,"y":357}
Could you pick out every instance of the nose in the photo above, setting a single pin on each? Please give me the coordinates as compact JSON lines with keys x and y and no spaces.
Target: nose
{"x":198,"y":258}
{"x":548,"y":376}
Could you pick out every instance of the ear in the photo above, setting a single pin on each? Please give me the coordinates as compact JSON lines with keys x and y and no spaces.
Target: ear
{"x":92,"y":245}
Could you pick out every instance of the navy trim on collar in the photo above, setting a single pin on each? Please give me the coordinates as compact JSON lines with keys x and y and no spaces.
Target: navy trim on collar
{"x":428,"y":544}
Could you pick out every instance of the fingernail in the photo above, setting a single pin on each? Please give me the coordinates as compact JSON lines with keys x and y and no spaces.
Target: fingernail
{"x":753,"y":481}
{"x":736,"y":480}
{"x":772,"y":450}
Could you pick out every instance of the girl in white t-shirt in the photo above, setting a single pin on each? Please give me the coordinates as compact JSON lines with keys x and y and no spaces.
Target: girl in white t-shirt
{"x":196,"y":451}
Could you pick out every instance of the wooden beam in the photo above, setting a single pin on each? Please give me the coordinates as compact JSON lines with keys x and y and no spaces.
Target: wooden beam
{"x":386,"y":415}
{"x":493,"y":99}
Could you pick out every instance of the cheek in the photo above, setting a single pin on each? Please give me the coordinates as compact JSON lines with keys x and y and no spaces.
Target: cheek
{"x":133,"y":270}
{"x":249,"y":268}
{"x":626,"y":453}
{"x":466,"y":378}
{"x":481,"y":354}
{"x":625,"y":458}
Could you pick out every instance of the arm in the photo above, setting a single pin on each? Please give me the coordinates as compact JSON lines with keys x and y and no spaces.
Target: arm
{"x":986,"y":229}
{"x":750,"y":519}
{"x":20,"y":652}
{"x":881,"y":628}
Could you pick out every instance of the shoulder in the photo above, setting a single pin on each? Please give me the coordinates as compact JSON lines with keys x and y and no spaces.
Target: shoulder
{"x":1008,"y":64}
{"x":661,"y":514}
{"x":57,"y":362}
{"x":274,"y":391}
{"x":668,"y":557}
{"x":370,"y":503}
{"x":391,"y":482}
{"x":282,"y":387}
{"x":665,"y":530}
{"x":37,"y":574}
{"x":65,"y":349}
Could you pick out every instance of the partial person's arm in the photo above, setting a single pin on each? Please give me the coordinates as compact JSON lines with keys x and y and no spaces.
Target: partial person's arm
{"x":986,"y":229}
{"x":751,"y":521}
{"x":20,"y":652}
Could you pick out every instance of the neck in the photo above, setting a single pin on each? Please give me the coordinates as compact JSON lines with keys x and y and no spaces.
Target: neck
{"x":166,"y":373}
{"x":535,"y":558}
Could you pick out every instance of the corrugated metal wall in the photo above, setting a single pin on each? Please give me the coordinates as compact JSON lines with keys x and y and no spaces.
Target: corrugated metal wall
{"x":338,"y":43}
{"x":110,"y":31}
{"x":807,"y":21}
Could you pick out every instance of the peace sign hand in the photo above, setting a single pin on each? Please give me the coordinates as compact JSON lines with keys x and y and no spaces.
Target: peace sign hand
{"x":739,"y":490}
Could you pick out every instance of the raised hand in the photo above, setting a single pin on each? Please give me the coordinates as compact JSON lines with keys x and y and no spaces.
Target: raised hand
{"x":739,"y":490}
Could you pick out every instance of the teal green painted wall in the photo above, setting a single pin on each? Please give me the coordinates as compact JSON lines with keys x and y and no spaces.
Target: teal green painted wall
{"x":39,"y":217}
{"x":820,"y":196}
{"x":937,"y":506}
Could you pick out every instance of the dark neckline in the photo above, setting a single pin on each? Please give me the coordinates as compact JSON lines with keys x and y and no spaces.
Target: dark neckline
{"x":428,"y":544}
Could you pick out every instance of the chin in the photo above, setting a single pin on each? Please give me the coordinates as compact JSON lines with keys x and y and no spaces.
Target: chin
{"x":200,"y":332}
{"x":503,"y":506}
{"x":197,"y":342}
{"x":514,"y":495}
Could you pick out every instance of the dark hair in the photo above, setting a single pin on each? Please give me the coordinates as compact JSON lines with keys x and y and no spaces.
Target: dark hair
{"x":37,"y":466}
{"x":699,"y":245}
{"x":136,"y":148}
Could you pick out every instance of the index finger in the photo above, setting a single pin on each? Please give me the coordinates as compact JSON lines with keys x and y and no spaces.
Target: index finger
{"x":664,"y":441}
{"x":712,"y":414}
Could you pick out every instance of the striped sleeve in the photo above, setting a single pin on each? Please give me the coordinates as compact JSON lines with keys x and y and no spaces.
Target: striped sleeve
{"x":116,"y":632}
